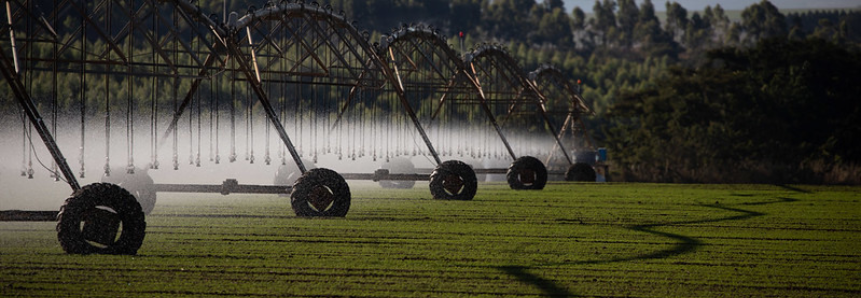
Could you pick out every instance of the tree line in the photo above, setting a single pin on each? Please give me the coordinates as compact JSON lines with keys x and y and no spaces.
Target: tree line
{"x":782,"y":111}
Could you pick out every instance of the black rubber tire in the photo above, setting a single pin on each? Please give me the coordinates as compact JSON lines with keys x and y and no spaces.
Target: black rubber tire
{"x":139,"y":184}
{"x":112,"y":196}
{"x":581,"y":172}
{"x":399,"y":165}
{"x":455,"y":170}
{"x":527,"y":165}
{"x":289,"y":173}
{"x":307,"y":189}
{"x":475,"y":164}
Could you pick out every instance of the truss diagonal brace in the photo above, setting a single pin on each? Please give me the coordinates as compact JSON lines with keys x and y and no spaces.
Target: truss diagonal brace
{"x":267,"y":105}
{"x":185,"y":102}
{"x":395,"y":79}
{"x":477,"y":85}
{"x":36,"y":119}
{"x":12,"y":38}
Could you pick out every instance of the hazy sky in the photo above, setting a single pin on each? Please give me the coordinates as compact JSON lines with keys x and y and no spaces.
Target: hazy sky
{"x":695,"y":5}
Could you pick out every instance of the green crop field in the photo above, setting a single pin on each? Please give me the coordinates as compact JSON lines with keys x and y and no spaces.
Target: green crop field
{"x":607,"y":240}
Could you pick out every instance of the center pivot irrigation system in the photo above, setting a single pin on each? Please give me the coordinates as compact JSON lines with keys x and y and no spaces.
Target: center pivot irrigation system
{"x":166,"y":65}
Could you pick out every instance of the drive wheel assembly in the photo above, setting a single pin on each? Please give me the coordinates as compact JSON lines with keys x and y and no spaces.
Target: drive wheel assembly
{"x":101,"y":218}
{"x":581,"y":172}
{"x":321,"y":192}
{"x":527,"y":172}
{"x":453,"y":180}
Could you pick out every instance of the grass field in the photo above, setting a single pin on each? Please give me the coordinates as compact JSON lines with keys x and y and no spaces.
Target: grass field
{"x":607,"y":240}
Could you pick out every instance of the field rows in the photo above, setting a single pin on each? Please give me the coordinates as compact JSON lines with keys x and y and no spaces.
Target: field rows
{"x":607,"y":240}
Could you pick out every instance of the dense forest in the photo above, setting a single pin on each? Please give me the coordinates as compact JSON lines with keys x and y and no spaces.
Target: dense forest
{"x":687,"y":96}
{"x":677,"y":95}
{"x":781,"y":111}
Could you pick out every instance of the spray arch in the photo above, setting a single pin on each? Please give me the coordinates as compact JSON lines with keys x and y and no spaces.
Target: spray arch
{"x":566,"y":109}
{"x":520,"y":108}
{"x":432,"y":75}
{"x":422,"y":65}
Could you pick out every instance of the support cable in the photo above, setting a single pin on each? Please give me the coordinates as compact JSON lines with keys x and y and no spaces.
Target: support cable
{"x":29,"y":130}
{"x":199,"y":126}
{"x":154,"y":104}
{"x":232,"y":157}
{"x":83,"y":97}
{"x":192,"y":99}
{"x":266,"y":158}
{"x":107,"y":167}
{"x":212,"y":110}
{"x":55,"y":173}
{"x":130,"y":137}
{"x":199,"y":110}
{"x":249,"y":137}
{"x":217,"y":112}
{"x":24,"y":127}
{"x":282,"y":150}
{"x":175,"y":93}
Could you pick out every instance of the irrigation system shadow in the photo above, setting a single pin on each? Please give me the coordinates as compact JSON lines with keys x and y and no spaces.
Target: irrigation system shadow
{"x":549,"y":287}
{"x":252,"y":216}
{"x":685,"y":245}
{"x":792,"y":188}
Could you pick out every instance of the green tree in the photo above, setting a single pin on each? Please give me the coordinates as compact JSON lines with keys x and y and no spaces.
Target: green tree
{"x":550,"y":5}
{"x":605,"y":19}
{"x":465,"y":15}
{"x":578,"y":20}
{"x":826,"y":30}
{"x":647,"y":12}
{"x":698,"y":34}
{"x":652,"y":39}
{"x":763,"y":114}
{"x":796,"y":32}
{"x":733,"y":34}
{"x":584,"y":39}
{"x":509,"y":19}
{"x":763,"y":20}
{"x":555,"y":28}
{"x":677,"y":20}
{"x":720,"y":25}
{"x":628,"y":17}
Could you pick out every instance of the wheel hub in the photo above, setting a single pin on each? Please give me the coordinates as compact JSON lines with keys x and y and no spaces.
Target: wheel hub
{"x":100,"y":226}
{"x":321,"y":198}
{"x":452,"y":183}
{"x":527,"y":176}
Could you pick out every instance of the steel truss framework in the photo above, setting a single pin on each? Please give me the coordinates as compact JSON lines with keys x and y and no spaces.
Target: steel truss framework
{"x":512,"y":96}
{"x":430,"y":73}
{"x":283,"y":50}
{"x":434,"y":75}
{"x":564,"y":102}
{"x":99,"y":42}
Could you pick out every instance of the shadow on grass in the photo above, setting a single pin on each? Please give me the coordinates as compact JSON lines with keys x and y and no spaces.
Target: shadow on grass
{"x":792,"y":188}
{"x":190,"y":215}
{"x":685,"y":245}
{"x":549,"y":287}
